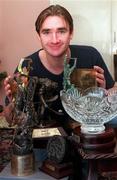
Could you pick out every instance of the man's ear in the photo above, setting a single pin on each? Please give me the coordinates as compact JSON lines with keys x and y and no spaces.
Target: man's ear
{"x":71,"y":35}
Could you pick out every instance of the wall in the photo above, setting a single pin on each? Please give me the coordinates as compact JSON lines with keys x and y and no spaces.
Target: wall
{"x":18,"y":37}
{"x":92,"y":25}
{"x":114,"y":27}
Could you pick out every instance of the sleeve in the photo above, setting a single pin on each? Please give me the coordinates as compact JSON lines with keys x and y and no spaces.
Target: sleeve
{"x":100,"y":62}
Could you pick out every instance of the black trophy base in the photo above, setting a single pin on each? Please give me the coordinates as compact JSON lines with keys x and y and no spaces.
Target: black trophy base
{"x":57,"y":170}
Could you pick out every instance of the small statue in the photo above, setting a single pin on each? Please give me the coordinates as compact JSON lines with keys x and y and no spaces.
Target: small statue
{"x":22,"y":142}
{"x":28,"y":113}
{"x":68,"y":69}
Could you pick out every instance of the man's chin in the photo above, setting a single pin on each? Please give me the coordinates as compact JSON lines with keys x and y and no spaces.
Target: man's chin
{"x":57,"y":54}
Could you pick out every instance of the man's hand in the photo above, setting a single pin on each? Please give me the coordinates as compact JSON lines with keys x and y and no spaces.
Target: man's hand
{"x":100,"y":76}
{"x":10,"y":87}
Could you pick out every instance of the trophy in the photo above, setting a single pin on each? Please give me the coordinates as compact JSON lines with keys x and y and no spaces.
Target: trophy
{"x":23,"y":120}
{"x":58,"y":163}
{"x":91,"y":107}
{"x":31,"y":116}
{"x":46,"y":126}
{"x":22,"y":160}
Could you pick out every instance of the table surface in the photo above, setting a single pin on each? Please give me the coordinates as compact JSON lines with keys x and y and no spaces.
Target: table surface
{"x":6,"y":175}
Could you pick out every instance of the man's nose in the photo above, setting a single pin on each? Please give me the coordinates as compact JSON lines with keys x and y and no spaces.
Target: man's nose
{"x":55,"y":38}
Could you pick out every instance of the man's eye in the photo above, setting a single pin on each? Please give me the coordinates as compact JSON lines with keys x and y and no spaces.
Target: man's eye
{"x":46,"y":32}
{"x":62,"y":31}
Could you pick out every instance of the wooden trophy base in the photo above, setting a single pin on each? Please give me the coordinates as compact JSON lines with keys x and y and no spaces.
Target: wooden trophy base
{"x":99,"y":143}
{"x":57,"y":170}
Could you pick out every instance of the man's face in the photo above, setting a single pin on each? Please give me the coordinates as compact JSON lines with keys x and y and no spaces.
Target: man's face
{"x":55,"y":36}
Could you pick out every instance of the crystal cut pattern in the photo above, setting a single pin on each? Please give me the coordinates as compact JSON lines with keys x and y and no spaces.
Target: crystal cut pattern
{"x":92,"y":107}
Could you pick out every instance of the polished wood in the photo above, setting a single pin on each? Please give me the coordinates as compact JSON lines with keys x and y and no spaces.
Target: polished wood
{"x":56,"y":170}
{"x":102,"y":162}
{"x":99,"y":143}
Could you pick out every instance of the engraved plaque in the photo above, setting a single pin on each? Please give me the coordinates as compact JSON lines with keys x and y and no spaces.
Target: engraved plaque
{"x":57,"y":170}
{"x":22,"y":165}
{"x":83,"y":78}
{"x":45,"y":132}
{"x":48,"y":132}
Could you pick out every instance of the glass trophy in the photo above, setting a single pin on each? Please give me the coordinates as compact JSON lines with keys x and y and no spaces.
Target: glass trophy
{"x":92,"y":107}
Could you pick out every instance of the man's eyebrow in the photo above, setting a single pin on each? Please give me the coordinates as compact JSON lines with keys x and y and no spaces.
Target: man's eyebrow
{"x":48,"y":29}
{"x":62,"y":28}
{"x":45,"y":30}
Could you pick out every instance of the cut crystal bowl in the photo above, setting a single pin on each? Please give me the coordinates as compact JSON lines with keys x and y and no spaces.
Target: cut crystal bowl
{"x":92,"y":107}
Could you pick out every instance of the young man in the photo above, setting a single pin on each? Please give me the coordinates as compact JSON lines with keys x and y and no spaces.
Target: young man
{"x":54,"y":26}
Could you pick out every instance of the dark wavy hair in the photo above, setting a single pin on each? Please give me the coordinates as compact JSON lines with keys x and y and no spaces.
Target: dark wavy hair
{"x":54,"y":10}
